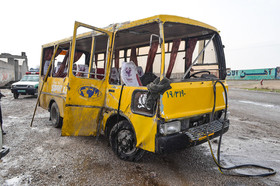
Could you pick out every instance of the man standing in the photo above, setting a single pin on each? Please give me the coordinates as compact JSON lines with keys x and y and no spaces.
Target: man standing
{"x":1,"y":121}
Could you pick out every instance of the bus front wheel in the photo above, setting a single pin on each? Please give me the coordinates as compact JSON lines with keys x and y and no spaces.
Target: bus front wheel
{"x":55,"y":116}
{"x":123,"y":142}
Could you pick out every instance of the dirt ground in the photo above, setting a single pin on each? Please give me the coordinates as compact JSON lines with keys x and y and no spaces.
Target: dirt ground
{"x":40,"y":156}
{"x":266,"y":84}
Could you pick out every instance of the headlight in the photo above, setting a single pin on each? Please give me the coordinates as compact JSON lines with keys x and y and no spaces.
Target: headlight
{"x":170,"y":128}
{"x":30,"y":86}
{"x":13,"y":86}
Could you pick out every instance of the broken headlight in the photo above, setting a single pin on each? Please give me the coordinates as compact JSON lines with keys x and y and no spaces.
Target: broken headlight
{"x":170,"y":127}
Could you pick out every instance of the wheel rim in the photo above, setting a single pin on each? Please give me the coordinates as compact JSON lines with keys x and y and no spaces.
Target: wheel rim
{"x":126,"y":142}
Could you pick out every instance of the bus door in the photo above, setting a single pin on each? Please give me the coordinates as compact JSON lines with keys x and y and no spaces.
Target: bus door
{"x":88,"y":79}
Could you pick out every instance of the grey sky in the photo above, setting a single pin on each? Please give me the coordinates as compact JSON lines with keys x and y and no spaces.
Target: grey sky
{"x":249,"y":28}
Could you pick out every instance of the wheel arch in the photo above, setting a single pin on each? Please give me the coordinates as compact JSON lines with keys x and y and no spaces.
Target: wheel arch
{"x":50,"y":104}
{"x":113,"y":120}
{"x":123,"y":141}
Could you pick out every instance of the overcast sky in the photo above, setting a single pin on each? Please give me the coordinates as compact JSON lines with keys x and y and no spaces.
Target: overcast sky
{"x":249,"y":28}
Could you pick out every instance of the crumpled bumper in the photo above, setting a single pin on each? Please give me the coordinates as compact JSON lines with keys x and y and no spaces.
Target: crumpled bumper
{"x":192,"y":137}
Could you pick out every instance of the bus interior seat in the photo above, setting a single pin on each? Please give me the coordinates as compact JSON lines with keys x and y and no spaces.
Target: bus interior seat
{"x":129,"y":75}
{"x":114,"y":76}
{"x":140,"y":71}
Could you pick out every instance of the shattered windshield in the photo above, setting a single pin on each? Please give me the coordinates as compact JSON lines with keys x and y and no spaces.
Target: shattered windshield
{"x":30,"y":78}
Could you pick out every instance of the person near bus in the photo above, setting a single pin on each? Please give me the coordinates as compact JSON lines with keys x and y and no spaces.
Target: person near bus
{"x":1,"y":121}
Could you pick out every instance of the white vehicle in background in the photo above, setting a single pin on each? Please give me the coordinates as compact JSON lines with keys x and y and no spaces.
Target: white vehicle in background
{"x":28,"y":85}
{"x":3,"y":151}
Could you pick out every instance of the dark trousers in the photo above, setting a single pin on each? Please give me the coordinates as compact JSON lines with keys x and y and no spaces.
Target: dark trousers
{"x":1,"y":121}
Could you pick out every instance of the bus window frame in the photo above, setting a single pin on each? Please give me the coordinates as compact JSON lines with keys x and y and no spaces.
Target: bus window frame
{"x":94,"y":34}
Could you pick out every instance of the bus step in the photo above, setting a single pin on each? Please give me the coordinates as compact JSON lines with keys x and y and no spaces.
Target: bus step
{"x":199,"y":133}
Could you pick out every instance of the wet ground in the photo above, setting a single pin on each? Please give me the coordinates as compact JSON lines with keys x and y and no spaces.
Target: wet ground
{"x":40,"y":156}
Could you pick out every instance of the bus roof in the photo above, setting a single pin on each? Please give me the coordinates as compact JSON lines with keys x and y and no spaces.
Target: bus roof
{"x":156,"y":18}
{"x":166,"y":18}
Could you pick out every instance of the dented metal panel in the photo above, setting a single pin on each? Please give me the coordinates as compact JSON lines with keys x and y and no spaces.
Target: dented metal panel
{"x":188,"y":99}
{"x":87,"y":104}
{"x":85,"y":97}
{"x":145,"y":127}
{"x":84,"y":101}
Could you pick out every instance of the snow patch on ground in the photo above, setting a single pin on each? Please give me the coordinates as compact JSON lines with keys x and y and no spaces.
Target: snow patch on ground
{"x":259,"y":104}
{"x":13,"y":181}
{"x":18,"y":180}
{"x":41,"y":130}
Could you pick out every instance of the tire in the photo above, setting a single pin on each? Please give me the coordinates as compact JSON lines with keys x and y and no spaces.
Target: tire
{"x":16,"y":95}
{"x":55,"y":116}
{"x":123,"y":142}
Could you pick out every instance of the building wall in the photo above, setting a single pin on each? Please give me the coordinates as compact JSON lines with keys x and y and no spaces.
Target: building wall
{"x":253,"y":74}
{"x":10,"y":69}
{"x":6,"y":73}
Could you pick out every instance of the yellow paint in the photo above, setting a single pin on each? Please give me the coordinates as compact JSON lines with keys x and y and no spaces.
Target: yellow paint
{"x":80,"y":121}
{"x":204,"y":137}
{"x":145,"y":127}
{"x":82,"y":114}
{"x":188,"y":99}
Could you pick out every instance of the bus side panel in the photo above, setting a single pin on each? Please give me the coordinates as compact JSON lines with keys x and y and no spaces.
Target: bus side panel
{"x":145,"y":127}
{"x":84,"y":103}
{"x":85,"y":121}
{"x":58,"y":89}
{"x":43,"y":97}
{"x":54,"y":89}
{"x":145,"y":130}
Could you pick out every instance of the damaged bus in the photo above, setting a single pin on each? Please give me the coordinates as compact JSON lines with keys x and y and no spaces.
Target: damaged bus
{"x":146,"y":85}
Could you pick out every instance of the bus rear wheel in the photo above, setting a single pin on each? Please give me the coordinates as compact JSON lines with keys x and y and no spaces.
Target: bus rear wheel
{"x":55,"y":116}
{"x":123,"y":142}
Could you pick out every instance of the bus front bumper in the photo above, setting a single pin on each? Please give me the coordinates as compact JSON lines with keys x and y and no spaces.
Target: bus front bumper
{"x":191,"y":137}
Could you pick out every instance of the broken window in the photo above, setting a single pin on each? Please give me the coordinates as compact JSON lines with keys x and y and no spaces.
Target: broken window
{"x":46,"y":60}
{"x":61,"y":62}
{"x":90,"y":56}
{"x":184,"y":44}
{"x":133,"y":49}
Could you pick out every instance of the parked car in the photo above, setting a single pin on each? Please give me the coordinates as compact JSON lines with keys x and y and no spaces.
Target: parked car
{"x":3,"y":151}
{"x":28,"y":85}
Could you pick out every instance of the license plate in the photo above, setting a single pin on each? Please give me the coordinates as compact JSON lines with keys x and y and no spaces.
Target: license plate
{"x":21,"y":90}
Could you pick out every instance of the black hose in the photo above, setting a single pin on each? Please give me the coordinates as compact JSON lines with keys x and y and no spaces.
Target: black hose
{"x":217,"y":162}
{"x":119,"y":104}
